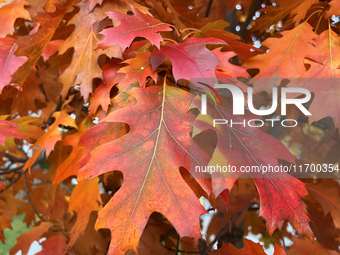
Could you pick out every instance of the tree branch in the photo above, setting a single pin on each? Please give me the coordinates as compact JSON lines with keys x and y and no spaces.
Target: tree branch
{"x":253,"y":10}
{"x":19,"y":173}
{"x":8,"y":171}
{"x":208,"y":8}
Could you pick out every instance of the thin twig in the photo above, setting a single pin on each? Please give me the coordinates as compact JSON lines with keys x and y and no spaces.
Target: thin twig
{"x":170,"y":232}
{"x":183,"y":251}
{"x":29,"y":198}
{"x":207,"y":13}
{"x":15,"y":159}
{"x":283,"y":242}
{"x":8,"y":171}
{"x":13,"y":181}
{"x":178,"y":244}
{"x":251,"y":14}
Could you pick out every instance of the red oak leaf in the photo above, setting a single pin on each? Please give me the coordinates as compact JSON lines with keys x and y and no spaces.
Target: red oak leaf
{"x":249,"y":248}
{"x":9,"y":63}
{"x":9,"y":13}
{"x":139,"y":69}
{"x":139,"y":25}
{"x":226,"y":69}
{"x":53,"y":245}
{"x":240,"y":145}
{"x":190,"y":59}
{"x":9,"y":129}
{"x":149,"y":157}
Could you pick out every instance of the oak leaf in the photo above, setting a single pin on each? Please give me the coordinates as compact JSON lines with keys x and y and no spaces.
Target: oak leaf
{"x":9,"y":13}
{"x":309,"y":248}
{"x":48,"y":140}
{"x":25,"y":240}
{"x":328,"y":198}
{"x":193,"y":54}
{"x":226,"y":69}
{"x":249,"y":248}
{"x":334,"y":8}
{"x":33,"y":45}
{"x":84,"y":66}
{"x":9,"y":63}
{"x":242,"y":146}
{"x":4,"y":223}
{"x":286,"y":57}
{"x":139,"y":25}
{"x":85,"y":198}
{"x":53,"y":245}
{"x":232,"y":42}
{"x":149,"y":157}
{"x":325,"y":72}
{"x":139,"y":69}
{"x":9,"y":129}
{"x":273,"y":14}
{"x":101,"y":95}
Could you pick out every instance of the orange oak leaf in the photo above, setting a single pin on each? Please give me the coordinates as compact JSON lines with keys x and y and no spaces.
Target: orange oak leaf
{"x":325,"y":72}
{"x":273,"y":14}
{"x":232,"y":43}
{"x":85,"y":198}
{"x":84,"y":66}
{"x":93,"y":3}
{"x":199,"y":62}
{"x":30,"y":93}
{"x":328,"y":198}
{"x":33,"y":45}
{"x":240,"y":145}
{"x":25,"y":240}
{"x":29,"y":127}
{"x":9,"y":129}
{"x":9,"y":63}
{"x":226,"y":69}
{"x":334,"y":8}
{"x":53,"y":245}
{"x":139,"y":69}
{"x":50,"y":5}
{"x":249,"y":248}
{"x":150,"y":240}
{"x":101,"y":95}
{"x":69,"y":166}
{"x":286,"y":57}
{"x":149,"y":157}
{"x":300,"y":11}
{"x":48,"y":140}
{"x":139,"y":25}
{"x":9,"y":13}
{"x":51,"y":48}
{"x":92,"y":139}
{"x":309,"y":248}
{"x":4,"y":223}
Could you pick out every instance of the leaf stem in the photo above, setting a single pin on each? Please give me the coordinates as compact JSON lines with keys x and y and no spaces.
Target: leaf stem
{"x":170,"y":40}
{"x":317,"y":25}
{"x":185,"y":37}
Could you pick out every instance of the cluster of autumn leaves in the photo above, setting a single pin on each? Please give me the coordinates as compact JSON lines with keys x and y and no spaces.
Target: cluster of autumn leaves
{"x":99,"y":91}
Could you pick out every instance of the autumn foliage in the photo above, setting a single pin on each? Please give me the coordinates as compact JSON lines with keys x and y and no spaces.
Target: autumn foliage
{"x":96,"y":138}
